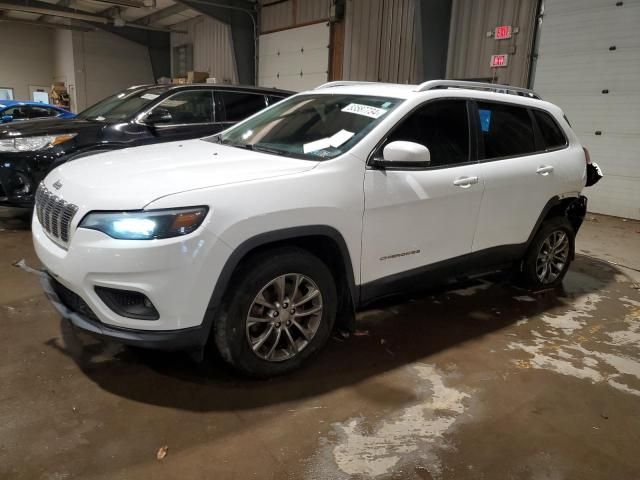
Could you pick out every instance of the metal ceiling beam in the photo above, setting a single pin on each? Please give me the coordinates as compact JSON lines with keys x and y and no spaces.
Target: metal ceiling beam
{"x":155,"y":17}
{"x":40,"y":23}
{"x":54,"y":12}
{"x":38,"y":7}
{"x":124,"y":3}
{"x":241,"y":16}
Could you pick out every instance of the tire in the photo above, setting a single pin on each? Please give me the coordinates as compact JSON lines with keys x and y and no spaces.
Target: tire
{"x":557,"y":234}
{"x":288,"y":339}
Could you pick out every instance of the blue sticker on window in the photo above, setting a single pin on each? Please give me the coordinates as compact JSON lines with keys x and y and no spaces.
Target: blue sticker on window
{"x":485,"y":119}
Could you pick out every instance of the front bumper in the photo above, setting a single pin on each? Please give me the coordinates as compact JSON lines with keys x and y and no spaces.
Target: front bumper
{"x":74,"y":309}
{"x":177,"y":275}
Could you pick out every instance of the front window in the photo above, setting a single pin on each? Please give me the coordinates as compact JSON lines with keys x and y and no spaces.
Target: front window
{"x":314,"y":127}
{"x":122,"y":105}
{"x":192,"y":106}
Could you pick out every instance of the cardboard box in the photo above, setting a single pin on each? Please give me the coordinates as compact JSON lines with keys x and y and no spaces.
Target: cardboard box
{"x":179,"y":80}
{"x":197,"y":77}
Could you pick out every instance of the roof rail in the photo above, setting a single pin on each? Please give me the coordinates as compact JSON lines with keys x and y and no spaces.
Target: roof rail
{"x":492,"y":87}
{"x":342,"y":83}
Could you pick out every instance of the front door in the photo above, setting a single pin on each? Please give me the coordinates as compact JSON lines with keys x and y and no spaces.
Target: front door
{"x":418,"y":218}
{"x":191,"y":116}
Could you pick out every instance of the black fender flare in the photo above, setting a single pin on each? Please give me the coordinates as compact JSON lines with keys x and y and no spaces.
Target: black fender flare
{"x":262,"y":239}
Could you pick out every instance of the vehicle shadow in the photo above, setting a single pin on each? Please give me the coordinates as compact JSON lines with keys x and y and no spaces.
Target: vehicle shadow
{"x":389,"y":335}
{"x":15,"y":219}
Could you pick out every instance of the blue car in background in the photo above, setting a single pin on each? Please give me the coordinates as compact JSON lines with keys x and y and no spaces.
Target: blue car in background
{"x":12,"y":110}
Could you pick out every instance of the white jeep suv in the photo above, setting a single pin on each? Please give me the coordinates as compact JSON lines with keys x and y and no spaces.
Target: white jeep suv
{"x":258,"y":238}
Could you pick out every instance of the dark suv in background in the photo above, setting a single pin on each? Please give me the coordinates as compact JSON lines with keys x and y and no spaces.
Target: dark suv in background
{"x":137,"y":116}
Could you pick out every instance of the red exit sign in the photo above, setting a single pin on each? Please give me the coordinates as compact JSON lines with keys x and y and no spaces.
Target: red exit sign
{"x":502,"y":32}
{"x":498,"y":61}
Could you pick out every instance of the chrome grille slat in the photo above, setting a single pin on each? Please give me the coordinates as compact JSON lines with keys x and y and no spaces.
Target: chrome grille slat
{"x":54,"y":214}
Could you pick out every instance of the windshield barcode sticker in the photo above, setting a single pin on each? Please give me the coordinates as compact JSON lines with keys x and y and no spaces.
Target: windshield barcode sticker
{"x":364,"y":110}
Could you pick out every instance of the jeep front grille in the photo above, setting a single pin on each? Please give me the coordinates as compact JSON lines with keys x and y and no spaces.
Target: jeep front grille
{"x":54,"y":214}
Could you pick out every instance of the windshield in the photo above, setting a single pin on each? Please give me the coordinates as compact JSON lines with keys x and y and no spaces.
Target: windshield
{"x":314,"y":127}
{"x":122,"y":105}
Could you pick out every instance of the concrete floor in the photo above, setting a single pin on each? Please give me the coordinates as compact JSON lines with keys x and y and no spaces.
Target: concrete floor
{"x":486,"y":381}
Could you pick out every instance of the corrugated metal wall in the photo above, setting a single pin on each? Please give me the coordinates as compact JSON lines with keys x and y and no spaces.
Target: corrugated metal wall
{"x":276,"y":15}
{"x":470,"y":48}
{"x":212,"y":47}
{"x":381,"y":40}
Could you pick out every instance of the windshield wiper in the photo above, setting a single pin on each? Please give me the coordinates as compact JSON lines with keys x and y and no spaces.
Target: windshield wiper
{"x":273,"y":151}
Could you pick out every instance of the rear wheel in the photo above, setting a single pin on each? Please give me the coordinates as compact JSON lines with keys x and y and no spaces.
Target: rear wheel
{"x":279,"y":312}
{"x":549,"y":256}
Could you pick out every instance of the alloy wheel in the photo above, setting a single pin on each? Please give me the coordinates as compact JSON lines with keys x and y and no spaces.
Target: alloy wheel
{"x":284,"y":317}
{"x":552,"y":257}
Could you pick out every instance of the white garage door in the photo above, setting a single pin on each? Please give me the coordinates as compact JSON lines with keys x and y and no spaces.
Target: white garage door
{"x":589,"y":64}
{"x":295,"y":59}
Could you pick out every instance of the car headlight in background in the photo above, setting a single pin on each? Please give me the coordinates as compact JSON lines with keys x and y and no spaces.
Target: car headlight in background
{"x":146,"y":225}
{"x":30,"y":144}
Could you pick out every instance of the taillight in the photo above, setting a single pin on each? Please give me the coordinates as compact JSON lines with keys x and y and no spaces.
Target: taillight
{"x":587,"y":156}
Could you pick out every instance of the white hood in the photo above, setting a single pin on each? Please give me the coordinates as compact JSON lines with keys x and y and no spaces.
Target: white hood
{"x":133,"y":177}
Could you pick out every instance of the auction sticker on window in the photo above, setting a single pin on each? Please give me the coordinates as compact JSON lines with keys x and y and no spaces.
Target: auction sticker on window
{"x":364,"y":110}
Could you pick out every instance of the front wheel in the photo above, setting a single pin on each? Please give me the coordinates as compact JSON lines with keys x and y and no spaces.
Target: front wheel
{"x":549,"y":256}
{"x":279,"y":312}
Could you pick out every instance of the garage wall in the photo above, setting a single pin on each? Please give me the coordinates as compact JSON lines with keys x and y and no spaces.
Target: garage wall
{"x":589,"y":64}
{"x":275,"y":15}
{"x":212,"y":47}
{"x":470,"y":48}
{"x":106,"y":63}
{"x":26,"y":58}
{"x":382,"y":41}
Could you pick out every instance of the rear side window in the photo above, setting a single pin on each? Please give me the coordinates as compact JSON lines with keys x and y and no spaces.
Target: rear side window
{"x":505,"y":130}
{"x":238,"y":106}
{"x":550,"y":133}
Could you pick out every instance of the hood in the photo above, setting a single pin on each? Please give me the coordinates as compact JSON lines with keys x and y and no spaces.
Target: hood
{"x":48,"y":126}
{"x":131,"y":178}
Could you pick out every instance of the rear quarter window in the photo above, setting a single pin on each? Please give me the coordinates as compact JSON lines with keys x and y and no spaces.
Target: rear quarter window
{"x":551,"y":134}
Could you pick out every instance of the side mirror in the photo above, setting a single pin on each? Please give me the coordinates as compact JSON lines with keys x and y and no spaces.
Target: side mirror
{"x":158,"y":115}
{"x":7,"y":118}
{"x":405,"y":154}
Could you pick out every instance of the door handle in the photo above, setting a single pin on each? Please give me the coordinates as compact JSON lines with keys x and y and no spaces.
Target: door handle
{"x":544,"y":170}
{"x":465,"y":182}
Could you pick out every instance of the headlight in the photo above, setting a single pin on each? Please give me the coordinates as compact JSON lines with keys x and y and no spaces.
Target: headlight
{"x":30,"y":144}
{"x":146,"y":225}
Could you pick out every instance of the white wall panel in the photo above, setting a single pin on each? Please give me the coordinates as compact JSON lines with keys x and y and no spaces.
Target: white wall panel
{"x":105,"y":64}
{"x":212,"y":47}
{"x":295,"y":59}
{"x":587,"y":47}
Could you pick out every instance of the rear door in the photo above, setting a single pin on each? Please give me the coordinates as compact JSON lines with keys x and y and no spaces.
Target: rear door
{"x":419,"y":217}
{"x":233,"y":106}
{"x":520,"y":173}
{"x":191,"y":116}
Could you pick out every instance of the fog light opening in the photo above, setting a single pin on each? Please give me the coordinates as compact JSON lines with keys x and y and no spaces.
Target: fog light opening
{"x":127,"y":303}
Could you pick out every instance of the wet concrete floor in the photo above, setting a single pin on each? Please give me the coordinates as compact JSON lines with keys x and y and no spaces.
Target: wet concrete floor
{"x":485,"y":381}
